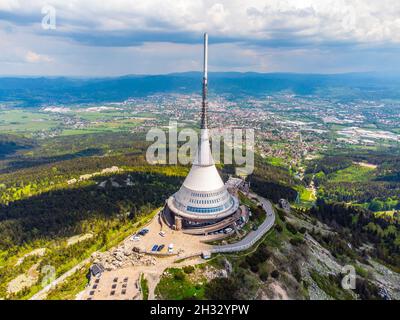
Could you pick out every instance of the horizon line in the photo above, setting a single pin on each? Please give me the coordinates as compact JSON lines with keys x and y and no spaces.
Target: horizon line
{"x":389,"y":73}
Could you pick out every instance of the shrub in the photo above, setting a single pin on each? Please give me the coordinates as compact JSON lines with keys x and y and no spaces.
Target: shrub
{"x":257,"y":214}
{"x":254,"y":268}
{"x":296,"y":272}
{"x":264,"y":276}
{"x":291,"y":228}
{"x":302,"y":230}
{"x":275,"y":274}
{"x":264,"y":252}
{"x":361,"y":271}
{"x":278,"y":228}
{"x":281,"y":215}
{"x":188,"y":269}
{"x":198,"y":286}
{"x":179,"y":276}
{"x":296,"y":241}
{"x":222,"y":289}
{"x":367,"y":290}
{"x":261,"y":255}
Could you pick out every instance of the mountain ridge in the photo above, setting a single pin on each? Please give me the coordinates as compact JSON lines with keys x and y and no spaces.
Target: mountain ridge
{"x":41,"y":91}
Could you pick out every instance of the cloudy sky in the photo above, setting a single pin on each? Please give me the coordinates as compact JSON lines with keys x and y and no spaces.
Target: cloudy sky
{"x":117,"y":37}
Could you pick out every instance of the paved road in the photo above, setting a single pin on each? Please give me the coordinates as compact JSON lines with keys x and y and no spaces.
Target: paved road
{"x":43,"y":293}
{"x":253,"y":236}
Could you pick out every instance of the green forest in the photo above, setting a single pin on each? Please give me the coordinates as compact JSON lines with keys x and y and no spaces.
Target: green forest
{"x":367,"y":178}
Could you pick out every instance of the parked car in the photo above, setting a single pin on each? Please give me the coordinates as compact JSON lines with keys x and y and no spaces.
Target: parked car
{"x":135,"y":238}
{"x":160,"y":247}
{"x":162,"y":233}
{"x":155,"y":247}
{"x":227,"y":230}
{"x":170,"y":247}
{"x":143,"y":232}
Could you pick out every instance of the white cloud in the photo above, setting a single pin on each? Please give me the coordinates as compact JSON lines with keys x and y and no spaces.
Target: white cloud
{"x":34,"y":57}
{"x":316,"y":20}
{"x":158,"y":36}
{"x":9,"y":5}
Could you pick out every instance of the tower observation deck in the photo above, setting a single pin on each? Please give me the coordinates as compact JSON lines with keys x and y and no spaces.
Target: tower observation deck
{"x":203,"y":198}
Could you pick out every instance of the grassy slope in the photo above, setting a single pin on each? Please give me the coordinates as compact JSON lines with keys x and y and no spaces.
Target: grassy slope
{"x":354,"y":173}
{"x":177,"y":285}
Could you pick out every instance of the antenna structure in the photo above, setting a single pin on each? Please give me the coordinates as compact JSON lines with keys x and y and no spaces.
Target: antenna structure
{"x":204,"y":92}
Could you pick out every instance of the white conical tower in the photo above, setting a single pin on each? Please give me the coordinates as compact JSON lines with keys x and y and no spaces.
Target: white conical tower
{"x":203,"y":195}
{"x":203,"y":164}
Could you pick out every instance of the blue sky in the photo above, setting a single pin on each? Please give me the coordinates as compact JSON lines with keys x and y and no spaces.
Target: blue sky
{"x":117,"y":37}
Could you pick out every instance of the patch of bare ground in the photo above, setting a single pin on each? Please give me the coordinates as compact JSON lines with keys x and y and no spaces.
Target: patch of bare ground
{"x":24,"y":280}
{"x":207,"y":273}
{"x":37,"y":252}
{"x":78,"y":238}
{"x":366,"y":165}
{"x":274,"y":291}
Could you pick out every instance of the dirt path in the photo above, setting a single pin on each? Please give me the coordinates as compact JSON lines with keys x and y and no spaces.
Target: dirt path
{"x":152,"y":280}
{"x":43,"y":293}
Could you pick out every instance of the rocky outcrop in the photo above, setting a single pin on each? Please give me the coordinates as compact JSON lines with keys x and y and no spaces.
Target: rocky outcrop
{"x":122,"y":257}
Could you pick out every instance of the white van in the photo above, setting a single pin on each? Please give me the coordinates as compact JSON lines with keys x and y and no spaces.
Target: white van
{"x":228,"y":230}
{"x":170,"y":247}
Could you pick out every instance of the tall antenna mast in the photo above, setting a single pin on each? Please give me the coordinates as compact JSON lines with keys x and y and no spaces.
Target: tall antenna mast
{"x":204,"y":99}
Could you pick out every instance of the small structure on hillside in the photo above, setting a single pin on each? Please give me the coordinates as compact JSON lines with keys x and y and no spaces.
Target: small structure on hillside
{"x":237,"y":184}
{"x":206,"y":254}
{"x":96,"y":270}
{"x":284,"y":205}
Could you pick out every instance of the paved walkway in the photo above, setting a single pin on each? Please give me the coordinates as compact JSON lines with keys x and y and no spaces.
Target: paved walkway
{"x":253,"y":236}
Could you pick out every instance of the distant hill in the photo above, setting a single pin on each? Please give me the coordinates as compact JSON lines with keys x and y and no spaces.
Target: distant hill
{"x":36,"y":91}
